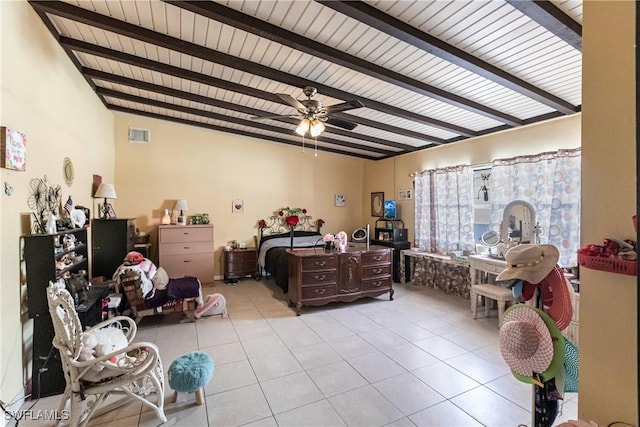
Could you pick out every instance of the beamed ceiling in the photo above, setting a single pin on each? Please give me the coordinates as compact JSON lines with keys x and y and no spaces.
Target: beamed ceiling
{"x":427,"y":72}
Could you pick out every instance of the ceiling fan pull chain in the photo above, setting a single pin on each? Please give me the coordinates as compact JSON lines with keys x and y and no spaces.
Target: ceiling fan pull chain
{"x":315,"y":138}
{"x":302,"y":144}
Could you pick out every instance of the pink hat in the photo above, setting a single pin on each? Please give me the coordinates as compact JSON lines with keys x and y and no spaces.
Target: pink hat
{"x":133,"y":257}
{"x":525,"y":341}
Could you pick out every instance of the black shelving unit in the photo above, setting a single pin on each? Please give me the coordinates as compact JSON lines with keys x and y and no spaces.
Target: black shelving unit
{"x":111,"y":240}
{"x":392,"y":234}
{"x":42,"y":253}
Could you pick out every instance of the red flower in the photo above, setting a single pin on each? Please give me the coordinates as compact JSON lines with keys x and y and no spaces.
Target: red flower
{"x":292,"y":220}
{"x":280,"y":213}
{"x":262,"y":224}
{"x":304,"y":211}
{"x":320,"y":222}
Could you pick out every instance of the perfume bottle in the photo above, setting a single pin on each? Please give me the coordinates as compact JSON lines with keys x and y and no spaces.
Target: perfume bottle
{"x":166,"y":219}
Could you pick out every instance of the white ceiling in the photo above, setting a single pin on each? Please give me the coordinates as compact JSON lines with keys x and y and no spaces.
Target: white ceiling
{"x":428,"y":72}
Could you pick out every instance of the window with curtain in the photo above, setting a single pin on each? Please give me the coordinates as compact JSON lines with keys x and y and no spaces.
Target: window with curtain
{"x":551,"y":183}
{"x":443,"y":210}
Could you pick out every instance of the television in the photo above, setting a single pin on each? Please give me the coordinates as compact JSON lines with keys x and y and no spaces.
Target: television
{"x":390,"y":209}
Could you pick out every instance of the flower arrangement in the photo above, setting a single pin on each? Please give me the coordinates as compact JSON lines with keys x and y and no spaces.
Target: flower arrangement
{"x":327,"y":238}
{"x":291,"y":215}
{"x":339,"y":240}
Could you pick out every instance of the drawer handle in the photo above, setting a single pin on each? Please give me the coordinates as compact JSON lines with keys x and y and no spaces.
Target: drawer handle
{"x":377,"y":270}
{"x":320,"y":276}
{"x":186,"y":247}
{"x":377,"y":284}
{"x":320,"y":291}
{"x":349,"y":291}
{"x":377,"y":257}
{"x":187,"y":260}
{"x":320,"y":263}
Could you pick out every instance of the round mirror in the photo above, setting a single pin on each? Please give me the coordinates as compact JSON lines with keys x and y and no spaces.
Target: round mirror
{"x":490,"y":238}
{"x":518,"y":222}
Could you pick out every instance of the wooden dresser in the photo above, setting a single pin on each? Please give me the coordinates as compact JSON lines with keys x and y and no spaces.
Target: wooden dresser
{"x":318,"y":278}
{"x":187,"y":250}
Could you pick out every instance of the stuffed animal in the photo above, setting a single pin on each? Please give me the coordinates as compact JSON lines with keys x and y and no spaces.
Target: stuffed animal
{"x":213,"y":304}
{"x":98,"y":342}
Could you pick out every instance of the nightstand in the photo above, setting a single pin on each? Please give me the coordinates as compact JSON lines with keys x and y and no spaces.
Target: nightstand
{"x":239,"y":263}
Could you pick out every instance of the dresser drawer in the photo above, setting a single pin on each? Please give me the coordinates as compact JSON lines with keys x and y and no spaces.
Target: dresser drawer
{"x":375,"y":270}
{"x":321,"y":291}
{"x":185,"y":234}
{"x":376,"y":257}
{"x":319,"y":263}
{"x":186,"y":248}
{"x":376,"y":283}
{"x":196,"y":265}
{"x":319,"y":277}
{"x":493,"y":269}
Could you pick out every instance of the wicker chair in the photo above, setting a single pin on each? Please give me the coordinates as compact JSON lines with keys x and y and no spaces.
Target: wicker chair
{"x":138,"y":373}
{"x":130,"y":282}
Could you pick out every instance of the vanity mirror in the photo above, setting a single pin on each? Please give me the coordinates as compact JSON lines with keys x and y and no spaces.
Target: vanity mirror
{"x":518,"y":222}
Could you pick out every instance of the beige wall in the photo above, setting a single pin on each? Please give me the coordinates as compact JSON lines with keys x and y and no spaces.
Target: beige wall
{"x":392,"y":175}
{"x":210,"y":169}
{"x":608,"y":315}
{"x":43,"y":96}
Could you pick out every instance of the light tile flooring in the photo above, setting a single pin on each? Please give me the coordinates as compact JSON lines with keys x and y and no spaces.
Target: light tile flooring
{"x":420,"y":360}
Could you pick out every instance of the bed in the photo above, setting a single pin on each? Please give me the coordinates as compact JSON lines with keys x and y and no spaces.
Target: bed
{"x":289,"y":228}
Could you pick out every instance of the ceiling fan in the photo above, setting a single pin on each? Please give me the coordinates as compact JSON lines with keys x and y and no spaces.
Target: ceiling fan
{"x":313,"y":114}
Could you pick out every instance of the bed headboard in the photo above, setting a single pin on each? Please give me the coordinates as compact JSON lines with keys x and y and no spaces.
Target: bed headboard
{"x":286,"y":218}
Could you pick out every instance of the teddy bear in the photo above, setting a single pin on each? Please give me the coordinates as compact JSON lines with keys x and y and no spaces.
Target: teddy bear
{"x":98,"y":342}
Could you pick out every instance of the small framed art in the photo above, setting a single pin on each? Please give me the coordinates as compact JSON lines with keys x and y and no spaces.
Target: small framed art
{"x":237,"y":206}
{"x":340,"y":200}
{"x":13,"y":149}
{"x":377,"y":204}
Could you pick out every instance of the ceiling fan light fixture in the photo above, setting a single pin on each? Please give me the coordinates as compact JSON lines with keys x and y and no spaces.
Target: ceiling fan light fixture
{"x":303,"y":126}
{"x":317,"y":127}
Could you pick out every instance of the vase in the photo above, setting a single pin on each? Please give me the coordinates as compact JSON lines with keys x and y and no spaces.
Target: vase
{"x":329,"y":246}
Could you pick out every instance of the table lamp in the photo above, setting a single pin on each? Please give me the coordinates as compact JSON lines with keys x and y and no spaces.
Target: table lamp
{"x":181,"y":205}
{"x":107,"y":191}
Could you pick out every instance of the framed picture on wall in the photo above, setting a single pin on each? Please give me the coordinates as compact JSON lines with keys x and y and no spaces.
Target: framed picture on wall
{"x":377,"y":204}
{"x":339,"y":200}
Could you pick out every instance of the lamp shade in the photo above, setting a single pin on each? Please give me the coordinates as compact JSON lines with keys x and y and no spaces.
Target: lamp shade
{"x":107,"y":191}
{"x":317,"y":127}
{"x":303,"y":127}
{"x":181,"y":205}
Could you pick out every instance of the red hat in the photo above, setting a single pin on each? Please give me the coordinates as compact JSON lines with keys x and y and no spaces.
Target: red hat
{"x":133,"y":257}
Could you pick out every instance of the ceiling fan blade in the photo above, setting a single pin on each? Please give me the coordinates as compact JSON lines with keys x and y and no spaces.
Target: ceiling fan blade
{"x":293,"y":102}
{"x":344,"y":106}
{"x":341,"y":123}
{"x":286,"y":116}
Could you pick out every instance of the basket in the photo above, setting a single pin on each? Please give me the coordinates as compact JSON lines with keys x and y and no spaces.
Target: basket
{"x":613,"y":265}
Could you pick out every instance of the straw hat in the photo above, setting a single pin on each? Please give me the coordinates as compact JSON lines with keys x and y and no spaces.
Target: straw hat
{"x":529,"y":262}
{"x":530,"y":342}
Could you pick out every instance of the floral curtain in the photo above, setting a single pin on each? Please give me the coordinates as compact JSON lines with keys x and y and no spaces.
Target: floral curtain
{"x":551,"y":183}
{"x":443,"y":210}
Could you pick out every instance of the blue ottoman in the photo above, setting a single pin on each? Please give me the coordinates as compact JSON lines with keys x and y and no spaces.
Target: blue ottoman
{"x":190,"y":373}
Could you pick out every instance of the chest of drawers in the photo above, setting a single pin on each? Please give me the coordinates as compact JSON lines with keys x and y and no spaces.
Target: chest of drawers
{"x":239,"y":263}
{"x":187,"y":250}
{"x":318,"y":278}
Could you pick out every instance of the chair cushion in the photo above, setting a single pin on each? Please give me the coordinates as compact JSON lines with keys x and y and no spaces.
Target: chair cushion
{"x":190,"y":372}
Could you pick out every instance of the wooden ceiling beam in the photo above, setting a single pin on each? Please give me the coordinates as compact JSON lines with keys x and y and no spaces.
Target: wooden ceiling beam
{"x":126,"y":58}
{"x":101,"y":75}
{"x":175,"y":44}
{"x":375,"y":18}
{"x":230,"y":119}
{"x":552,"y":18}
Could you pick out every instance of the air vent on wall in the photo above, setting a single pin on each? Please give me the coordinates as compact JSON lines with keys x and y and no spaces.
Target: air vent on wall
{"x":139,"y":136}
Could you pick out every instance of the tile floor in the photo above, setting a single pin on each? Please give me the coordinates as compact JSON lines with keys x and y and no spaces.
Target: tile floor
{"x":420,"y":360}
